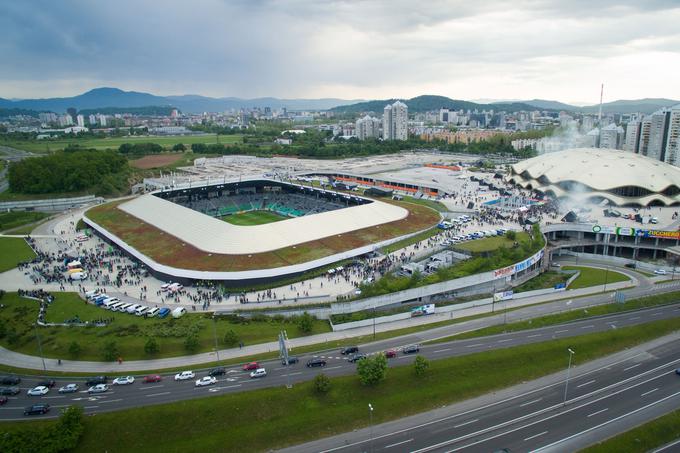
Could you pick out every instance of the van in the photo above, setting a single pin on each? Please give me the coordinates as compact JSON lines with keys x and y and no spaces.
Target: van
{"x":74,"y":265}
{"x":133,"y":308}
{"x":163,"y":312}
{"x":100,"y":298}
{"x":108,"y":303}
{"x":119,"y":306}
{"x":79,"y":276}
{"x":89,"y":295}
{"x":179,"y":312}
{"x":123,"y":308}
{"x":151,"y":312}
{"x":141,"y":310}
{"x":175,"y":287}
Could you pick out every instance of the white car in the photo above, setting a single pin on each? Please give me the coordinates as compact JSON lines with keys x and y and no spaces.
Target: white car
{"x":207,"y":380}
{"x":260,"y":372}
{"x":184,"y":375}
{"x":124,"y":380}
{"x":38,"y":391}
{"x":99,"y":388}
{"x":69,"y":388}
{"x":660,"y":272}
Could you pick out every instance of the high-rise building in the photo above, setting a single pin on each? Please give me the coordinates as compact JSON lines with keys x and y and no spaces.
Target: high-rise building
{"x":48,"y":117}
{"x":80,"y":120}
{"x":673,"y":142}
{"x":632,"y":143}
{"x":658,"y":134}
{"x":102,"y":120}
{"x":367,"y":127}
{"x":92,"y":120}
{"x":395,"y":121}
{"x":611,"y":136}
{"x":645,"y":128}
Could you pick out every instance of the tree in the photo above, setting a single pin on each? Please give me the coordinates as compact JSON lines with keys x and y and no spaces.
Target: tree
{"x":322,"y":384}
{"x":179,"y":147}
{"x":230,"y":338}
{"x":74,"y":349}
{"x":151,"y":346}
{"x":421,"y":365}
{"x":306,"y":323}
{"x":511,"y":234}
{"x":110,"y":351}
{"x":372,"y":370}
{"x":191,"y":343}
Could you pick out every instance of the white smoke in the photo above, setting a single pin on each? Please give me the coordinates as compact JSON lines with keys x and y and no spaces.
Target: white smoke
{"x":563,"y":138}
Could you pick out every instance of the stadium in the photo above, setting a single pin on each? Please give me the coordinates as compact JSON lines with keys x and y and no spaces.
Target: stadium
{"x":252,"y":231}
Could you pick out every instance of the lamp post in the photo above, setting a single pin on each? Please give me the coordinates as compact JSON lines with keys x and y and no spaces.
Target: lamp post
{"x":217,"y":351}
{"x":566,"y":384}
{"x":37,"y":337}
{"x":606,"y":277}
{"x":370,"y":415}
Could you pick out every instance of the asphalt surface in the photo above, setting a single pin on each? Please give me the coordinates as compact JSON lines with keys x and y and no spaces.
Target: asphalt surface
{"x":237,"y":380}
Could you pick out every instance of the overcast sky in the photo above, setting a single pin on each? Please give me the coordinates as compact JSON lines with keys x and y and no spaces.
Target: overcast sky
{"x":490,"y":49}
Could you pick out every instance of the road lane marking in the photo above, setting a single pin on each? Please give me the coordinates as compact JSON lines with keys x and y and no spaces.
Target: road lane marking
{"x":535,"y":436}
{"x":560,"y":331}
{"x":474,"y":345}
{"x":536,"y":335}
{"x":466,"y":423}
{"x":441,"y":350}
{"x":399,"y":443}
{"x":505,"y":341}
{"x":530,"y":402}
{"x":588,"y":326}
{"x":52,"y":397}
{"x":110,"y":401}
{"x":294,"y":374}
{"x":634,"y":317}
{"x":585,"y":383}
{"x":334,"y":367}
{"x":91,"y":407}
{"x":598,"y":412}
{"x":152,"y":387}
{"x":647,"y":393}
{"x":631,"y":367}
{"x":159,"y":394}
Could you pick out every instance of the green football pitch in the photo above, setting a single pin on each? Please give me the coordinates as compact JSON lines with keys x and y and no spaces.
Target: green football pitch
{"x":253,"y":218}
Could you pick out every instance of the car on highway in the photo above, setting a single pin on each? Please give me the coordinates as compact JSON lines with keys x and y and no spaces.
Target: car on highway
{"x":184,"y":375}
{"x":96,"y":380}
{"x":9,"y":391}
{"x":37,"y":409}
{"x":677,"y":371}
{"x":99,"y":388}
{"x":411,"y":349}
{"x":311,"y":363}
{"x":251,"y":366}
{"x":10,"y":380}
{"x":631,"y":265}
{"x":349,"y":350}
{"x":152,"y":378}
{"x":3,"y":400}
{"x":38,"y":391}
{"x":49,"y":383}
{"x":69,"y":388}
{"x":390,"y":353}
{"x":356,"y":357}
{"x":291,"y":361}
{"x":124,"y":380}
{"x":206,"y":380}
{"x":260,"y":372}
{"x":219,"y":371}
{"x":660,"y":272}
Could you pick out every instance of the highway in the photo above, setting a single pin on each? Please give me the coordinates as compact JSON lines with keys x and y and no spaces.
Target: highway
{"x":237,"y":380}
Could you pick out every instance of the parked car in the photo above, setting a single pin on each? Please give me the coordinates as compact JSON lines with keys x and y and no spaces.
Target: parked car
{"x":96,"y":380}
{"x":37,"y":409}
{"x":184,"y":375}
{"x":99,"y":388}
{"x":163,"y":312}
{"x":9,"y":391}
{"x":291,"y":360}
{"x":316,"y":362}
{"x":152,"y":378}
{"x":49,"y":383}
{"x":660,"y":271}
{"x":356,"y":357}
{"x":3,"y":400}
{"x":124,"y":380}
{"x":206,"y":380}
{"x":10,"y":380}
{"x":349,"y":350}
{"x":411,"y":349}
{"x":69,"y":388}
{"x":38,"y":391}
{"x":251,"y":366}
{"x":390,"y":353}
{"x":677,"y":371}
{"x":260,"y":372}
{"x":219,"y":371}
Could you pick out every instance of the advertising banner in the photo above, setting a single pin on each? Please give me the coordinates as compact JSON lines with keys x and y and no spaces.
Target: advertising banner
{"x":504,"y":295}
{"x":506,"y":271}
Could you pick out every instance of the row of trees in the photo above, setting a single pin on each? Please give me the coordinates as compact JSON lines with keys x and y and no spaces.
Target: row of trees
{"x":140,"y":148}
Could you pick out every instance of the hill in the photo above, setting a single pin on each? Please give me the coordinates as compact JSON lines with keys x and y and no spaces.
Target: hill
{"x":647,"y":105}
{"x":426,"y":103}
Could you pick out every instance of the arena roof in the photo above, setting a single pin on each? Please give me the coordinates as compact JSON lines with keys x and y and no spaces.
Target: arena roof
{"x":593,"y":174}
{"x":216,"y":236}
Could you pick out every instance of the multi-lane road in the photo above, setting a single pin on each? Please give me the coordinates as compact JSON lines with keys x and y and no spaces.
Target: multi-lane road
{"x":237,"y":380}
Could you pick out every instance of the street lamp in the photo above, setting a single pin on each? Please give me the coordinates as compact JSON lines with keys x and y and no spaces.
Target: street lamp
{"x":370,"y":414}
{"x":37,"y":336}
{"x":566,"y":384}
{"x":606,"y":276}
{"x":217,"y":351}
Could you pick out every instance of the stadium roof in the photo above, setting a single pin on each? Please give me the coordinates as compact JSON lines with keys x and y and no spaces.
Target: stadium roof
{"x":592,"y":174}
{"x":216,"y":236}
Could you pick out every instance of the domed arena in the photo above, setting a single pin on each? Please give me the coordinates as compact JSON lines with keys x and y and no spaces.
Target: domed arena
{"x":593,"y":175}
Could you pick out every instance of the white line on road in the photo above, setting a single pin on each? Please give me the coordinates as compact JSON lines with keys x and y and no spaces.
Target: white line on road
{"x":466,"y":423}
{"x":505,"y":341}
{"x":474,"y":345}
{"x":111,"y":401}
{"x":667,"y":446}
{"x":159,"y":394}
{"x":631,"y":367}
{"x":399,"y":443}
{"x":634,"y":317}
{"x":52,"y":397}
{"x":293,"y":374}
{"x":535,"y":436}
{"x":536,"y":335}
{"x":91,"y":407}
{"x":585,"y":383}
{"x":560,"y":331}
{"x":334,"y":367}
{"x":647,"y":393}
{"x":598,"y":412}
{"x":438,"y":351}
{"x":530,"y":402}
{"x":588,"y":326}
{"x":152,"y":387}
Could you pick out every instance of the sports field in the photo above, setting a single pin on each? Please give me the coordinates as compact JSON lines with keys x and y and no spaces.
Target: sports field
{"x":253,"y":218}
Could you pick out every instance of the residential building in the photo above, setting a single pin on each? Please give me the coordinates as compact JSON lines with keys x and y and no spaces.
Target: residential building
{"x":658,"y":134}
{"x":395,"y":121}
{"x":92,"y":120}
{"x":643,"y":142}
{"x":673,"y":142}
{"x":611,"y":136}
{"x":80,"y":120}
{"x":367,"y":127}
{"x":632,"y":142}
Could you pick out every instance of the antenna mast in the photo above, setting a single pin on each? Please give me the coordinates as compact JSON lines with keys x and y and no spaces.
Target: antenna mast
{"x":599,"y":115}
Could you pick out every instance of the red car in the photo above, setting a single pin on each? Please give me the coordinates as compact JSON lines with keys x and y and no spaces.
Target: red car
{"x":390,"y":353}
{"x":251,"y":366}
{"x":152,"y":378}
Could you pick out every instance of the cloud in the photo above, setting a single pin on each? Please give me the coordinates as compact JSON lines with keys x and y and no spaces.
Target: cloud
{"x":370,"y":49}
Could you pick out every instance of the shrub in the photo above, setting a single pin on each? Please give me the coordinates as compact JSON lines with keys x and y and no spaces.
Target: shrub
{"x":151,"y":346}
{"x":306,"y":323}
{"x":322,"y":384}
{"x":230,"y":338}
{"x":58,"y":437}
{"x":191,"y":343}
{"x":110,"y":351}
{"x":511,"y":234}
{"x":74,"y":349}
{"x":372,"y":370}
{"x":421,"y":365}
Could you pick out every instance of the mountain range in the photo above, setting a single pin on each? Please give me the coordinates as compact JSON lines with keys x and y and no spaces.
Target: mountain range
{"x":114,"y":98}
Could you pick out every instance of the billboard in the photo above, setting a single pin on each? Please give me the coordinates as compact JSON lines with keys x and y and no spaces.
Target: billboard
{"x":626,"y":231}
{"x":503,"y":295}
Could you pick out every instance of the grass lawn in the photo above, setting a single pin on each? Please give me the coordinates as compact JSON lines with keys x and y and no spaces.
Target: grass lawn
{"x":412,"y":240}
{"x":12,"y":252}
{"x":277,"y":417}
{"x":593,"y":277}
{"x":253,"y":218}
{"x":436,"y":205}
{"x":129,"y":332}
{"x":545,"y":280}
{"x":644,"y":438}
{"x":492,"y":243}
{"x":14,"y":219}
